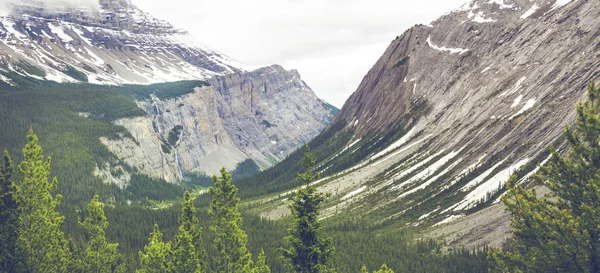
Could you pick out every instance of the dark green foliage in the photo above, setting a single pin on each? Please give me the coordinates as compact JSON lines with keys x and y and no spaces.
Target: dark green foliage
{"x":230,"y":239}
{"x":9,"y":217}
{"x":163,"y":91}
{"x":156,"y":257}
{"x":245,"y":168}
{"x":402,"y":62}
{"x":559,"y":234}
{"x":174,"y":135}
{"x":188,"y":251}
{"x":76,"y":74}
{"x":25,"y":67}
{"x":308,"y":249}
{"x":89,"y":68}
{"x":99,"y":256}
{"x":142,"y":187}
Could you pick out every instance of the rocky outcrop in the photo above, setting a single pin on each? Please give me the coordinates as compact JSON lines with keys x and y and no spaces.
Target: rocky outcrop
{"x":481,"y":93}
{"x":270,"y":112}
{"x":261,"y":115}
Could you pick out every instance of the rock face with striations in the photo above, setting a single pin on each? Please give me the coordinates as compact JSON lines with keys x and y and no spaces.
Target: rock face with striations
{"x":481,"y":92}
{"x":261,"y":115}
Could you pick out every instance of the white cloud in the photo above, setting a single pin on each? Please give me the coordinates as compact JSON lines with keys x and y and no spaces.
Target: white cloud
{"x":51,"y":6}
{"x":332,"y":43}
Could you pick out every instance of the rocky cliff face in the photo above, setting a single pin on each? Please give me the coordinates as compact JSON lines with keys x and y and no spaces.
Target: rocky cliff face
{"x":481,"y":93}
{"x":261,"y":115}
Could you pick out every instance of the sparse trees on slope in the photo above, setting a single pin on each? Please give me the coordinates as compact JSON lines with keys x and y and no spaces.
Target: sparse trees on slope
{"x":99,"y":255}
{"x":9,"y":217}
{"x":156,"y":257}
{"x":308,"y":250}
{"x":188,"y":254}
{"x":560,"y":233}
{"x":226,"y":223}
{"x":40,"y":238}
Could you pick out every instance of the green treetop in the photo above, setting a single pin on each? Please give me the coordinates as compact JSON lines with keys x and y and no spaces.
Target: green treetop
{"x":560,"y":233}
{"x":99,"y":256}
{"x":309,"y":251}
{"x":45,"y":248}
{"x":156,"y":257}
{"x":226,"y":223}
{"x":188,"y":254}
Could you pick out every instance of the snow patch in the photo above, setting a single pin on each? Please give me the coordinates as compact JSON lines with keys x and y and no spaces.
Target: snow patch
{"x":502,"y":4}
{"x":528,"y":105}
{"x":460,"y":51}
{"x":531,"y":11}
{"x":60,"y":32}
{"x":516,"y":88}
{"x":396,"y":144}
{"x":449,"y":219}
{"x":490,"y":185}
{"x":517,"y":101}
{"x":354,"y":193}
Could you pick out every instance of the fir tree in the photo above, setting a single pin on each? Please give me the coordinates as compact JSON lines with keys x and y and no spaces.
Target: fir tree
{"x":226,"y":223}
{"x":261,"y":264}
{"x":156,"y":257}
{"x":560,"y":233}
{"x":308,"y":250}
{"x":99,"y":256}
{"x":188,"y":253}
{"x":384,"y":269}
{"x":40,"y":238}
{"x":9,"y":217}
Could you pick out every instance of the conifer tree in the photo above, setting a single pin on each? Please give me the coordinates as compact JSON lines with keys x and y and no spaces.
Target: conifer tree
{"x":40,"y":238}
{"x":99,"y":256}
{"x":156,"y":257}
{"x":364,"y":269}
{"x":560,"y":233}
{"x":226,"y":223}
{"x":9,"y":217}
{"x":309,"y":250}
{"x":384,"y":269}
{"x":261,"y":264}
{"x":188,"y":253}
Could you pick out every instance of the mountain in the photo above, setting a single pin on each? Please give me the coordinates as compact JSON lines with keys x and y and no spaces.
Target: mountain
{"x":220,"y":113}
{"x":450,"y":110}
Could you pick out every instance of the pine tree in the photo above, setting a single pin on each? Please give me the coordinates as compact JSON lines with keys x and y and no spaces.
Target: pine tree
{"x":560,"y":233}
{"x":99,"y":256}
{"x":261,"y":264}
{"x":9,"y":218}
{"x":308,"y":250}
{"x":185,"y":257}
{"x":384,"y":269}
{"x":156,"y":257}
{"x":226,"y":223}
{"x":188,"y":253}
{"x":40,"y":238}
{"x":364,"y":269}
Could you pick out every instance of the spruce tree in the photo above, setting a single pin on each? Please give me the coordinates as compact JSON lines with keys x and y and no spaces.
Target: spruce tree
{"x":384,"y":269}
{"x":188,"y":252}
{"x":309,"y":251}
{"x":9,"y":217}
{"x":40,"y":238}
{"x":156,"y":257}
{"x":226,"y":223}
{"x":99,"y":256}
{"x":559,"y":232}
{"x":261,"y":264}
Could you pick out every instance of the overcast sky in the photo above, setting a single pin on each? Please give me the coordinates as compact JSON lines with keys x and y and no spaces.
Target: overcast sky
{"x":332,"y":43}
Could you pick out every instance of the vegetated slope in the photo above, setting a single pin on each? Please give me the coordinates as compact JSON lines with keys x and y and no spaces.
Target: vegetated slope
{"x":451,"y":109}
{"x":257,"y":117}
{"x":116,"y":44}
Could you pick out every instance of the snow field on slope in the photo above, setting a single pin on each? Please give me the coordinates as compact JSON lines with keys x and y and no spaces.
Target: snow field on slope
{"x":490,"y":185}
{"x":460,"y":51}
